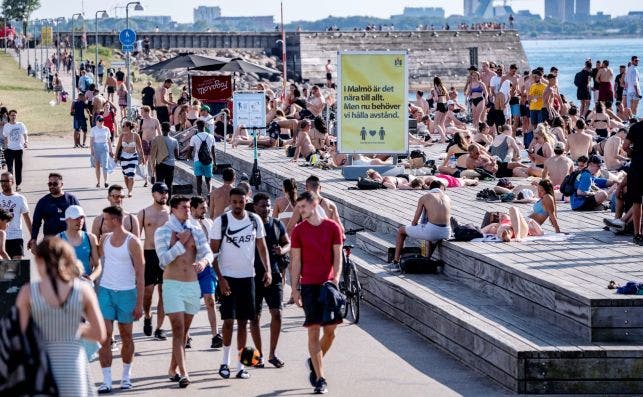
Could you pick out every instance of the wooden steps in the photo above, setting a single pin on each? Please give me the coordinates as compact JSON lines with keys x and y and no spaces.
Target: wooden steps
{"x":526,"y":353}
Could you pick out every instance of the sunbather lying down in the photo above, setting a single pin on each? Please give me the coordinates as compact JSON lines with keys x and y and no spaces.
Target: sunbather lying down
{"x":513,"y":226}
{"x":412,"y":182}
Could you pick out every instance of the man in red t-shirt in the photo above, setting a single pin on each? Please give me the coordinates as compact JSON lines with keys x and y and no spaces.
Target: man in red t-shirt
{"x":316,"y":252}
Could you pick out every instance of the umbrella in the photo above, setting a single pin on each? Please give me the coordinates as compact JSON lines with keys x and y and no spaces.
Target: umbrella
{"x":238,"y":65}
{"x":187,"y":60}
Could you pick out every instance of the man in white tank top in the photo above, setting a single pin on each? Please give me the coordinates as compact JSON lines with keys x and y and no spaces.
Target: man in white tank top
{"x":120,"y":293}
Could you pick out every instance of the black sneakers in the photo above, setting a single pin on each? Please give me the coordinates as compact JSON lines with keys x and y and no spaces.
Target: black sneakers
{"x":638,"y":239}
{"x":147,"y":326}
{"x":217,"y":342}
{"x":321,"y":386}
{"x":188,"y":343}
{"x":159,"y":334}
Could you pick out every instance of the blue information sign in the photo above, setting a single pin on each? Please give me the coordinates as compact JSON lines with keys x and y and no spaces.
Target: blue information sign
{"x":127,"y":48}
{"x":127,"y":36}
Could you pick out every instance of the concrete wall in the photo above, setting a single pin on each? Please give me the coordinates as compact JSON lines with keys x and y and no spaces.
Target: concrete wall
{"x":447,"y":54}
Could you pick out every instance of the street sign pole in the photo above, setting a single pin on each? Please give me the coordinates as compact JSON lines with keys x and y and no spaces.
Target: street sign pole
{"x":127,"y":37}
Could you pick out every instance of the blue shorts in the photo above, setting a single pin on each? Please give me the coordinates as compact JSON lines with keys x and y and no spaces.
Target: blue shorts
{"x":536,"y":117}
{"x":202,"y":169}
{"x":117,"y":305}
{"x":515,"y":110}
{"x":181,"y":297}
{"x":80,"y":125}
{"x":207,"y":281}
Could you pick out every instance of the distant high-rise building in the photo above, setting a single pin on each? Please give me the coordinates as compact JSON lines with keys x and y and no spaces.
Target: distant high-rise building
{"x":470,"y":7}
{"x":206,"y":14}
{"x":424,"y":12}
{"x":568,"y":10}
{"x":582,"y":9}
{"x":555,"y":9}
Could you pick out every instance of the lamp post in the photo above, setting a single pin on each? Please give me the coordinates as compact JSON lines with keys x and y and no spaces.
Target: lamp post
{"x":58,"y":60}
{"x":73,"y":56}
{"x":6,"y":37}
{"x":137,"y":7}
{"x":103,"y":15}
{"x":42,"y":23}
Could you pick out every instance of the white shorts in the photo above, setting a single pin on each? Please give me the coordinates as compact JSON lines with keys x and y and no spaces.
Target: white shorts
{"x":428,"y":231}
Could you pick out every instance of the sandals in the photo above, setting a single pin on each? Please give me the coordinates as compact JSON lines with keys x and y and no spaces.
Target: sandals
{"x":104,"y":389}
{"x":260,"y":364}
{"x":612,"y":285}
{"x":224,"y":371}
{"x":243,"y":374}
{"x":184,"y":382}
{"x":175,"y":378}
{"x":126,"y":385}
{"x":276,"y":362}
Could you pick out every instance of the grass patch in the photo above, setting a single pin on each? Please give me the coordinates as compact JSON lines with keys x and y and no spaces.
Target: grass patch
{"x":27,"y":95}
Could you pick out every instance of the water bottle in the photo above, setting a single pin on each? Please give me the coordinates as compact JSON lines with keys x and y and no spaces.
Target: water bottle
{"x":452,"y":160}
{"x":423,"y":250}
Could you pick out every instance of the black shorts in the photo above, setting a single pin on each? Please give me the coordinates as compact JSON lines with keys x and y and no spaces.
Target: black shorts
{"x":503,"y":170}
{"x":272,"y":293}
{"x":634,"y":184}
{"x":153,"y":271}
{"x":524,"y":111}
{"x":602,"y":132}
{"x":240,"y":304}
{"x":162,"y":114}
{"x":15,"y":247}
{"x":111,"y":90}
{"x":583,"y":95}
{"x":589,"y":204}
{"x":441,"y":107}
{"x":496,"y":117}
{"x":314,"y":309}
{"x":329,"y":76}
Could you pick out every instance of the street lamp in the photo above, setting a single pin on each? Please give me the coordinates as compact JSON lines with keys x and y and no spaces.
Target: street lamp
{"x":58,"y":21}
{"x":103,"y":15}
{"x":73,"y":55}
{"x":137,"y":7}
{"x":6,"y":37}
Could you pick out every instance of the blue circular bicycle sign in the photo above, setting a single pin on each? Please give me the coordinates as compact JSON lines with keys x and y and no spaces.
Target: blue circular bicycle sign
{"x":127,"y":36}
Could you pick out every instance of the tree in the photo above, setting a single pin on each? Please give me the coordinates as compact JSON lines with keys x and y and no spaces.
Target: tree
{"x":20,"y":10}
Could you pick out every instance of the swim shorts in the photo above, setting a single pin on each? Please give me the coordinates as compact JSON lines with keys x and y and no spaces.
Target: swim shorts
{"x":153,"y":271}
{"x":181,"y":297}
{"x":117,"y":305}
{"x":428,"y":231}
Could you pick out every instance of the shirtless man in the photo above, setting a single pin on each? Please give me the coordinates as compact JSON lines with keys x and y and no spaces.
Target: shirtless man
{"x":115,"y":197}
{"x":316,"y":102}
{"x":580,"y":142}
{"x":98,"y":103}
{"x":514,"y":94}
{"x":305,"y":147}
{"x":220,"y":197}
{"x":326,"y":208}
{"x":184,"y":251}
{"x":604,"y":77}
{"x":557,"y":167}
{"x":151,"y":128}
{"x":436,"y":206}
{"x":162,"y":101}
{"x":151,"y":218}
{"x":613,"y":151}
{"x":550,"y":97}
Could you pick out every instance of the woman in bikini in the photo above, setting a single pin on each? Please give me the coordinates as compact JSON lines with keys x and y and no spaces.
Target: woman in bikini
{"x":439,"y":95}
{"x":130,"y":152}
{"x":457,"y":149}
{"x":193,"y":111}
{"x":477,"y":93}
{"x":600,"y":121}
{"x":539,"y":150}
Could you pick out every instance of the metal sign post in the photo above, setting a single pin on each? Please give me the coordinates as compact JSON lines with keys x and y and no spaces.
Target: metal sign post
{"x":127,"y":37}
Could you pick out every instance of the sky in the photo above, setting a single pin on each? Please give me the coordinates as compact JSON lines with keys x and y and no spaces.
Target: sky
{"x":181,"y":10}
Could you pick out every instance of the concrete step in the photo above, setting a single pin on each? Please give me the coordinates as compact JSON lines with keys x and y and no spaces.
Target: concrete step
{"x":599,"y":320}
{"x":525,"y":353}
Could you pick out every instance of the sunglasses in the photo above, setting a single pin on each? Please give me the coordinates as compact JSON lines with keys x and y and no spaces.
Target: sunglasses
{"x":116,"y":196}
{"x":5,"y":180}
{"x":52,"y":183}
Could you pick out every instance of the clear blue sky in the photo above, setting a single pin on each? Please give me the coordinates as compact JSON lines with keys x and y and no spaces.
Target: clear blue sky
{"x":181,"y":10}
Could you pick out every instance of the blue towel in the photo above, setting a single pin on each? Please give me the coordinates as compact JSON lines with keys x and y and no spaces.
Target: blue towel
{"x":631,"y":288}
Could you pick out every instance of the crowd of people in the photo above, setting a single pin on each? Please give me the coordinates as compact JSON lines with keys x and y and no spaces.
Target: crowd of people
{"x":229,"y":245}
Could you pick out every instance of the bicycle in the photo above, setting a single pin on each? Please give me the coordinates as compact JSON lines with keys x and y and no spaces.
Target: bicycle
{"x":350,"y":285}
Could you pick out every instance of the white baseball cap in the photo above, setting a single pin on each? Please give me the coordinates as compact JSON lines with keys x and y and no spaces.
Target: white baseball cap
{"x":74,"y":212}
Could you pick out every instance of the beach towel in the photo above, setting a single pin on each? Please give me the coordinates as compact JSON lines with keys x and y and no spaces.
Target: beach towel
{"x":548,"y":236}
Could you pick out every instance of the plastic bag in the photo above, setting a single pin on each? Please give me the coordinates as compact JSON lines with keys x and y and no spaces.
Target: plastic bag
{"x":141,"y":171}
{"x":111,"y":165}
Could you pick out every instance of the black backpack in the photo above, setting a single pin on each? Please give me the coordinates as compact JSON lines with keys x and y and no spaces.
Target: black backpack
{"x":204,"y":155}
{"x":466,"y":232}
{"x":418,"y":264}
{"x":568,"y":187}
{"x":368,"y":184}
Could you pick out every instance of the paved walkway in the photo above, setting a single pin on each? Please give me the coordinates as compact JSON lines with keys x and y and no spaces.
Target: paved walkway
{"x":377,"y":357}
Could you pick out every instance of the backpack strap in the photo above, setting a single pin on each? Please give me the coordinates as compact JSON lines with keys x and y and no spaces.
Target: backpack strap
{"x":224,"y":225}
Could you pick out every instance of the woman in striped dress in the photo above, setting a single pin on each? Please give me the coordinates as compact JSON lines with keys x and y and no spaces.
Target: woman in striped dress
{"x":57,"y":303}
{"x":129,"y":149}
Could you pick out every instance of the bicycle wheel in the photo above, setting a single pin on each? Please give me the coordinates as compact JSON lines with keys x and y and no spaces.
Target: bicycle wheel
{"x":344,"y":285}
{"x":355,"y":293}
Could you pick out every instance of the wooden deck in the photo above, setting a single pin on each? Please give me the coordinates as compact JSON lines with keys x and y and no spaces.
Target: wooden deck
{"x":536,"y":316}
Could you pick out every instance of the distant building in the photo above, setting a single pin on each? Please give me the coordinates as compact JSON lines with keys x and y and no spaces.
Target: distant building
{"x":423,"y":12}
{"x":470,"y":7}
{"x":526,"y":14}
{"x":635,"y":14}
{"x":555,"y":9}
{"x":157,"y":19}
{"x":250,"y":24}
{"x":600,"y":17}
{"x":568,"y":10}
{"x":582,"y":9}
{"x":206,"y":14}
